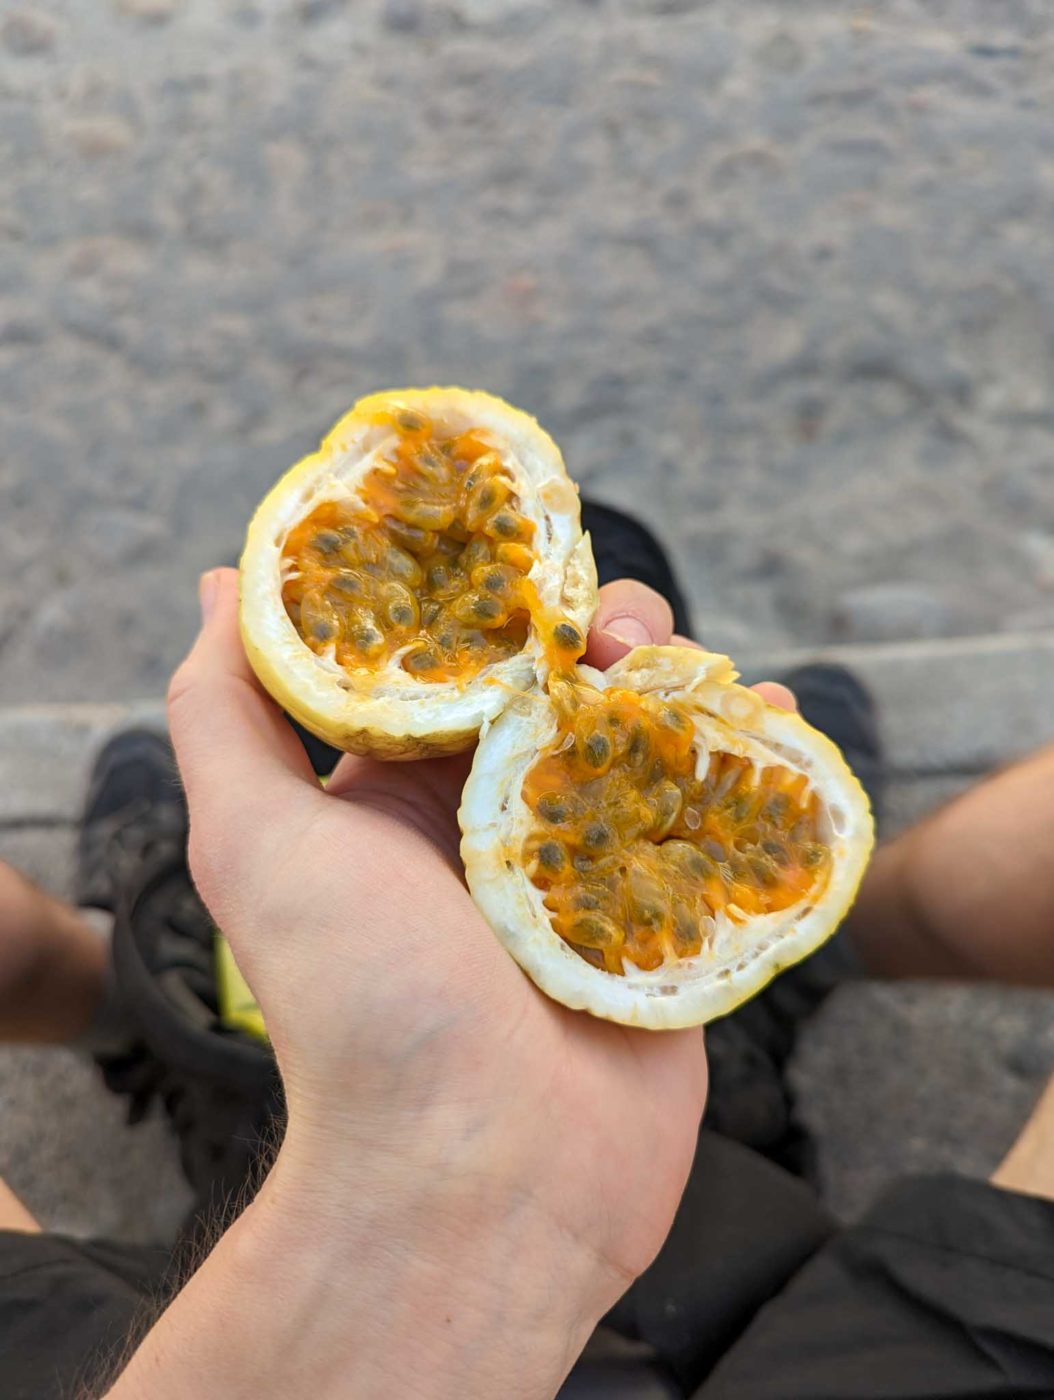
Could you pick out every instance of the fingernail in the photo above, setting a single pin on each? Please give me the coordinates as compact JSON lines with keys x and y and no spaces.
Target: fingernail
{"x":630,"y":631}
{"x":208,"y":588}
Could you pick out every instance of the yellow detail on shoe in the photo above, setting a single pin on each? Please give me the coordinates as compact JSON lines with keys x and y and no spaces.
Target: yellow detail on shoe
{"x":238,"y":1007}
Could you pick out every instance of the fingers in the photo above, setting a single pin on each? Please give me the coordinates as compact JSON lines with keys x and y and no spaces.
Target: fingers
{"x":629,"y":614}
{"x":238,"y":757}
{"x":772,"y":692}
{"x":775,"y":694}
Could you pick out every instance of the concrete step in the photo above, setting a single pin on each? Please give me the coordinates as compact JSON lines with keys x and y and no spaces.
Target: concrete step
{"x":950,"y":710}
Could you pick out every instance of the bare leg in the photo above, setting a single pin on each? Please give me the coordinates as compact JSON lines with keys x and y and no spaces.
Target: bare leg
{"x":969,"y":892}
{"x":13,"y":1214}
{"x":1029,"y":1165}
{"x":52,"y":965}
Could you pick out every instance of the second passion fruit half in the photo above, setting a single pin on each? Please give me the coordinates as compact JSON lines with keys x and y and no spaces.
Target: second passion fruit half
{"x":655,"y":843}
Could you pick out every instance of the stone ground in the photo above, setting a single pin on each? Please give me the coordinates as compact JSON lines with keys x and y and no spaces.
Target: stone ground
{"x":776,"y":276}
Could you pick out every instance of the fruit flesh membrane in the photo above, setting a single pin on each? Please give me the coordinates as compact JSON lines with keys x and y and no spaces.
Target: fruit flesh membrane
{"x":429,"y":562}
{"x":636,"y":855}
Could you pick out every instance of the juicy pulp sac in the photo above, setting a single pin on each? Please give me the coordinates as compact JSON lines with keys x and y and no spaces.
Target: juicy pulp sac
{"x":636,"y":855}
{"x":429,"y":560}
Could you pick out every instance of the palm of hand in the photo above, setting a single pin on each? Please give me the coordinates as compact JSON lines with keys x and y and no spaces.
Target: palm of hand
{"x":419,"y":1016}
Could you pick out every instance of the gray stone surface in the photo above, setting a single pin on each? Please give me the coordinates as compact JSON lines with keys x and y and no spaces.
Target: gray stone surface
{"x":777,"y":276}
{"x":954,"y":707}
{"x":919,"y":1078}
{"x":880,"y":611}
{"x":46,"y":753}
{"x":66,"y":1150}
{"x":889,"y":1078}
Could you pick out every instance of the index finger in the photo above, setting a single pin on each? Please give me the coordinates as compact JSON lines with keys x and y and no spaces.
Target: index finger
{"x":238,"y":757}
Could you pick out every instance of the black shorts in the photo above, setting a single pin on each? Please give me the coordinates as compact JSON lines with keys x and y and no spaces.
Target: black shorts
{"x":70,"y":1311}
{"x":945,"y":1289}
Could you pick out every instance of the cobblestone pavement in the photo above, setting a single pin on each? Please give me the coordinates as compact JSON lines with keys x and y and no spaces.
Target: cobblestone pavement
{"x":777,"y":276}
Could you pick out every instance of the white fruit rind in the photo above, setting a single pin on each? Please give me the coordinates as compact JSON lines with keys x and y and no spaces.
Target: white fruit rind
{"x":741,"y":957}
{"x":386,"y":711}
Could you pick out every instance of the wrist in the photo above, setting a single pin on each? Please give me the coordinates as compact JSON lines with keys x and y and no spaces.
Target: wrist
{"x":458,"y":1279}
{"x":378,"y":1282}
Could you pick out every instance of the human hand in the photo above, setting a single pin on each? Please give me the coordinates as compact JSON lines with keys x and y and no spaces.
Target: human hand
{"x":459,"y":1147}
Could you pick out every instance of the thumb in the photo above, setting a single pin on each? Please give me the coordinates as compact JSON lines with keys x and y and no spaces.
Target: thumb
{"x":629,"y":614}
{"x":239,"y":759}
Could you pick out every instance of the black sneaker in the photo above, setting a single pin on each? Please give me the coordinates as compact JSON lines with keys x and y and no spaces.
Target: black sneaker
{"x":135,"y":807}
{"x":218,"y":1087}
{"x":624,"y":548}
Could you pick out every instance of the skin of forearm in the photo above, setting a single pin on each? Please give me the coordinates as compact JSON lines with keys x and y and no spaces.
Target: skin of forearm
{"x":1029,"y":1165}
{"x":969,"y":892}
{"x":452,"y":1288}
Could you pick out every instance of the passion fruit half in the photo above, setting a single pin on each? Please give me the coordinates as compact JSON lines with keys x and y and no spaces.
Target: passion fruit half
{"x":655,"y":843}
{"x":398,"y":584}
